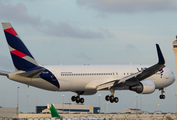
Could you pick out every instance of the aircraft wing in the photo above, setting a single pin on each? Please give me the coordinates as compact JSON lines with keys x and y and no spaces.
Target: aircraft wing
{"x":133,"y":79}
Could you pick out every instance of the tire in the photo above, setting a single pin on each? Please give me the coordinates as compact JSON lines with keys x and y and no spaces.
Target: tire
{"x":77,"y":101}
{"x":163,"y":96}
{"x":116,"y":100}
{"x":82,"y":100}
{"x":111,"y":101}
{"x":73,"y":98}
{"x":77,"y":98}
{"x":112,"y":98}
{"x":107,"y":98}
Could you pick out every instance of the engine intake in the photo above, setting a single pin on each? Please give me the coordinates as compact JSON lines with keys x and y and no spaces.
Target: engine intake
{"x":144,"y":87}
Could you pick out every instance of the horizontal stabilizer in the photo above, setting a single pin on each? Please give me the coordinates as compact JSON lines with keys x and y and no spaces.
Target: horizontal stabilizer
{"x":33,"y":73}
{"x":4,"y":73}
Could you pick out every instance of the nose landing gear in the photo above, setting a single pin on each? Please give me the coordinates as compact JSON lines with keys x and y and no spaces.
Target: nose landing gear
{"x":162,"y":96}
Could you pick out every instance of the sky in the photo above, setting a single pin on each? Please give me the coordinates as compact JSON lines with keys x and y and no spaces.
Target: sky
{"x":77,"y":32}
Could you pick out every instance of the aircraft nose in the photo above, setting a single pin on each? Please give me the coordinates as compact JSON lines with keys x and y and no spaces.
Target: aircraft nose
{"x":172,"y":78}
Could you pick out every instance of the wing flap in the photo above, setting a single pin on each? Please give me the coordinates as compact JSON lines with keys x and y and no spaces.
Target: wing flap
{"x":132,"y":77}
{"x":106,"y":85}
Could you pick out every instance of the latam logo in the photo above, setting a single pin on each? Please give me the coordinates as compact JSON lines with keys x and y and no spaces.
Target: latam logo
{"x":161,"y":71}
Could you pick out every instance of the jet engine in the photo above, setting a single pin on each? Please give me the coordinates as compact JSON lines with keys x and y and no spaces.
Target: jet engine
{"x":143,"y":87}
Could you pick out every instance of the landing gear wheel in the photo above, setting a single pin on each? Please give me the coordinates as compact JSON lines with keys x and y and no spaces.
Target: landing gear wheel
{"x":77,"y":98}
{"x":77,"y":101}
{"x":107,"y":98}
{"x":111,"y":98}
{"x":73,"y":98}
{"x":116,"y":99}
{"x":162,"y":96}
{"x":82,"y":100}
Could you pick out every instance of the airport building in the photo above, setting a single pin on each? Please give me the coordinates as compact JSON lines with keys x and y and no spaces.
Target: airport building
{"x":8,"y":112}
{"x":68,"y":108}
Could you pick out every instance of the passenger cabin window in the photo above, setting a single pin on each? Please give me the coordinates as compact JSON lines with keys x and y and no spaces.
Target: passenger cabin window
{"x":87,"y":74}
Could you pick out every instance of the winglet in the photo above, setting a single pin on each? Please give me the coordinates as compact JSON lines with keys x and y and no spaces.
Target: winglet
{"x":160,"y":55}
{"x":132,"y":80}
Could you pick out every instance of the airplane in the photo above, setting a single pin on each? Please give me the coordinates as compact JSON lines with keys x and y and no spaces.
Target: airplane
{"x":54,"y":114}
{"x":85,"y":79}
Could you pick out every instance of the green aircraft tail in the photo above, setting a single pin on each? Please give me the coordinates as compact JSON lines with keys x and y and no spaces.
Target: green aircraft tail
{"x":54,"y":112}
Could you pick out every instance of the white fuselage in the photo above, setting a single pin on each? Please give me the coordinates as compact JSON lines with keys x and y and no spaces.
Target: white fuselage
{"x":88,"y":77}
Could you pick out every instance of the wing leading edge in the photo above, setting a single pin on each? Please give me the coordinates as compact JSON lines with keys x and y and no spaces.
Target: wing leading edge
{"x":133,"y":79}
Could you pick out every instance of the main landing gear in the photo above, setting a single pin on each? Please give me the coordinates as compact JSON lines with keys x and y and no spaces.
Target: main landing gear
{"x":162,"y":96}
{"x":111,"y":98}
{"x":77,"y":99}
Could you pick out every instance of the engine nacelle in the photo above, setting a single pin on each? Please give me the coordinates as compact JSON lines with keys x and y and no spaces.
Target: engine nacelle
{"x":144,"y":87}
